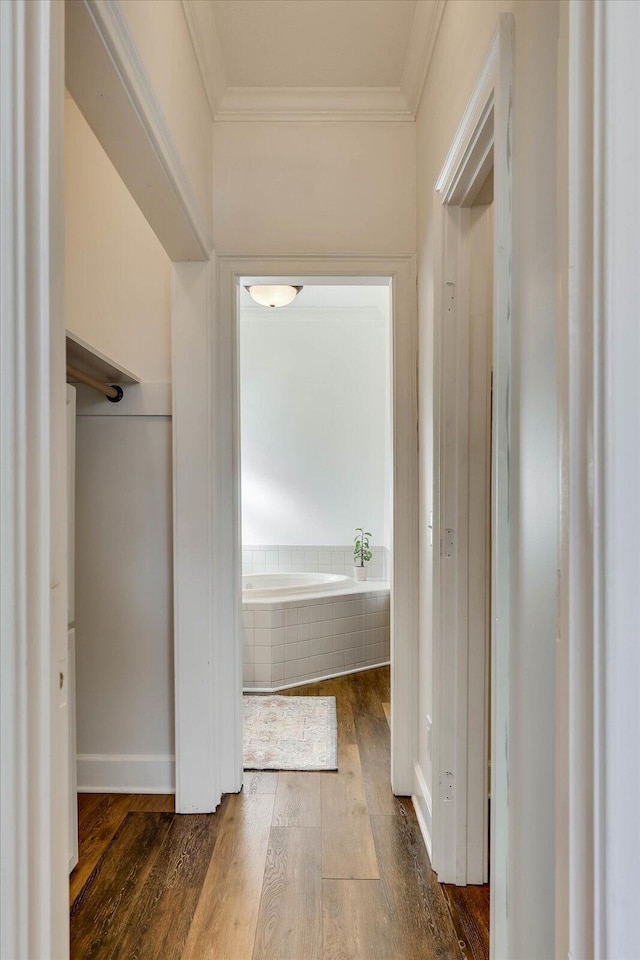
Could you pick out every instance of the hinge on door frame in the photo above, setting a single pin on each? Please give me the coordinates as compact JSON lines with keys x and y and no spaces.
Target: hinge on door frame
{"x":447,"y":791}
{"x":448,"y":543}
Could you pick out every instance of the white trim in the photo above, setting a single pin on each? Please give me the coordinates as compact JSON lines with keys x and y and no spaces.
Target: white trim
{"x":271,"y":104}
{"x":87,"y":358}
{"x":117,"y":39}
{"x":473,"y":127}
{"x":501,"y":707}
{"x":600,"y":425}
{"x":73,"y":770}
{"x":617,"y":716}
{"x":462,"y":496}
{"x":197,"y":707}
{"x":108,"y":81}
{"x":312,"y":103}
{"x":580,"y":547}
{"x":126,"y":773}
{"x":305,"y":683}
{"x":483,"y":138}
{"x":224,"y":407}
{"x":422,"y":804}
{"x":422,"y":41}
{"x":201,"y":23}
{"x":34,"y":814}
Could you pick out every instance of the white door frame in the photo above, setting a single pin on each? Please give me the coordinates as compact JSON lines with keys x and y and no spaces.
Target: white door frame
{"x":460,"y":691}
{"x":597,"y":885}
{"x":34,"y":910}
{"x":225,"y":411}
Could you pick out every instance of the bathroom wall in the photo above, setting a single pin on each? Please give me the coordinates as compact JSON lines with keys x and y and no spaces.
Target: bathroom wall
{"x":314,"y":411}
{"x":313,"y":558}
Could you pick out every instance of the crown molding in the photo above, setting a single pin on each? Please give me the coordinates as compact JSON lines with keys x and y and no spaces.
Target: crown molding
{"x":201,"y":23}
{"x":422,"y":41}
{"x":313,"y":103}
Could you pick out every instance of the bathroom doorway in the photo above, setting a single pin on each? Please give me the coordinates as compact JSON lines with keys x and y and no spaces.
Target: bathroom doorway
{"x":397,"y":277}
{"x":316,"y":482}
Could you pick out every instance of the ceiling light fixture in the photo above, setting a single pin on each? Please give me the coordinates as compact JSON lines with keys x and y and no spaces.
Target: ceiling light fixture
{"x":273,"y":295}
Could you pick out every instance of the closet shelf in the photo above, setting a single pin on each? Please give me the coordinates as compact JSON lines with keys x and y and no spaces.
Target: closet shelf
{"x":90,"y":361}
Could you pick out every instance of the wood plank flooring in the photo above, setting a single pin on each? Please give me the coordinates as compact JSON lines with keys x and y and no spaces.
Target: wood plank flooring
{"x":299,"y":866}
{"x":470,"y":913}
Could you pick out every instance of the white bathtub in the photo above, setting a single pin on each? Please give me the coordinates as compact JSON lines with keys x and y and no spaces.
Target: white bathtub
{"x":262,"y":585}
{"x":302,"y":627}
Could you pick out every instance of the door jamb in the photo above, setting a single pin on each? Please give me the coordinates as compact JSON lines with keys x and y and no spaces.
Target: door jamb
{"x":597,"y":881}
{"x":34,"y":914}
{"x":484,"y":134}
{"x":404,"y":628}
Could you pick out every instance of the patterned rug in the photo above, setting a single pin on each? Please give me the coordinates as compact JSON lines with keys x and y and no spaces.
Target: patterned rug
{"x":290,"y":733}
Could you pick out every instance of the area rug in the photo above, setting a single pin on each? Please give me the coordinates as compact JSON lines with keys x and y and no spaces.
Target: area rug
{"x":290,"y":733}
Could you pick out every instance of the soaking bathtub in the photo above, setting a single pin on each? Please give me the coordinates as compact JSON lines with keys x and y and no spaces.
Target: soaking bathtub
{"x":303,"y":627}
{"x":265,"y":585}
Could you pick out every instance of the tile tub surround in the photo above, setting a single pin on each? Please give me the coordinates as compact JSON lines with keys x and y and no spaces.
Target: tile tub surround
{"x":312,"y":559}
{"x":291,"y":642}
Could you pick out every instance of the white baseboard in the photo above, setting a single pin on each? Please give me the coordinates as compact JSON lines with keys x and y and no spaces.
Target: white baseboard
{"x":126,"y":773}
{"x":422,"y":803}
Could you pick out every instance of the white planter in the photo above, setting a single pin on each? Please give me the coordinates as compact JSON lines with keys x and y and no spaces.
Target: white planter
{"x":359,"y":573}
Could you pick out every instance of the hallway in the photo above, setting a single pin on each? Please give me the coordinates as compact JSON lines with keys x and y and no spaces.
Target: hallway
{"x":299,"y":865}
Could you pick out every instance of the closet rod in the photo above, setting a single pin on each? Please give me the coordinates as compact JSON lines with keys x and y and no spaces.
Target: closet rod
{"x":112,"y":391}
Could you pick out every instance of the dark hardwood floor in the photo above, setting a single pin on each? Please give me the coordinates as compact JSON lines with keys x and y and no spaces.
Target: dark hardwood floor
{"x":470,"y":913}
{"x":299,"y":866}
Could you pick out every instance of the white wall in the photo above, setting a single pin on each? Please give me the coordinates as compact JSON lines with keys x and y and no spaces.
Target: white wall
{"x":117,"y":275}
{"x":463,"y":41}
{"x":163,"y":43}
{"x":318,"y":188}
{"x":118,"y":299}
{"x":314,"y":415}
{"x":124,"y":645}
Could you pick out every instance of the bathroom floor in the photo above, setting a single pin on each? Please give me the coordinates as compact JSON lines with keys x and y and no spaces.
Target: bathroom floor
{"x":299,"y":866}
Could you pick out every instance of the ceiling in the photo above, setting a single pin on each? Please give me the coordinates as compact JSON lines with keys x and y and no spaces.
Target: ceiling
{"x":316,"y":43}
{"x":316,"y":59}
{"x":329,"y":294}
{"x":323,"y":301}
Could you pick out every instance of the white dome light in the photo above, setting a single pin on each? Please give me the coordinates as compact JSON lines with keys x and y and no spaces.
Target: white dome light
{"x":273,"y":295}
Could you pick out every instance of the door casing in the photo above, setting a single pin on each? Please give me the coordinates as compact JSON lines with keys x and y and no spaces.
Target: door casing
{"x":460,"y":837}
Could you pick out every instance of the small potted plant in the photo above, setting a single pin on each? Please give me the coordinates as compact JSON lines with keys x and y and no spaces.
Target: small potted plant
{"x":361,"y":553}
